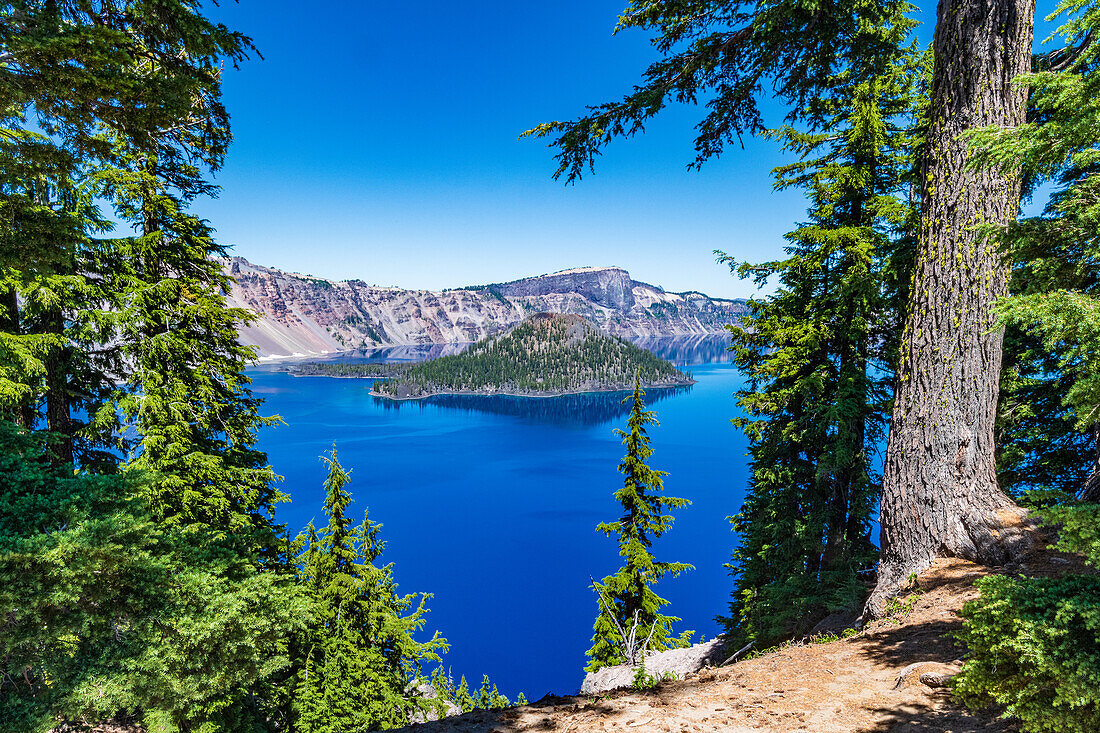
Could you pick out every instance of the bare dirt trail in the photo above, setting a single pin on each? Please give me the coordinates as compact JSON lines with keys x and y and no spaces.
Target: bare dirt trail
{"x":845,"y":686}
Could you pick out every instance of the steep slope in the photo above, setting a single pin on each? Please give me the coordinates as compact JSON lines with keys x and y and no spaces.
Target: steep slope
{"x":305,"y":315}
{"x":546,"y":354}
{"x":886,"y":678}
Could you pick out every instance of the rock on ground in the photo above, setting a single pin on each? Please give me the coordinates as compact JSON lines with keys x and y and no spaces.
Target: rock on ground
{"x":428,"y":692}
{"x":677,"y":662}
{"x":844,"y":686}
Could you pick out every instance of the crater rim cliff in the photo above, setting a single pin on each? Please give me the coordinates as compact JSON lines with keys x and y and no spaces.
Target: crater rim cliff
{"x":301,"y":315}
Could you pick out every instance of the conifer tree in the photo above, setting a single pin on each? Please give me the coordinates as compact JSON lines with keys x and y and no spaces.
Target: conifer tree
{"x":360,"y":663}
{"x":147,"y":72}
{"x":819,"y":353}
{"x":487,"y":696}
{"x":187,"y":396}
{"x":119,"y":104}
{"x":630,"y":621}
{"x":727,"y":54}
{"x":109,"y":612}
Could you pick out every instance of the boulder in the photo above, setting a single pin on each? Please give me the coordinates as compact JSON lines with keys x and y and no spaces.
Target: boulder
{"x":427,"y":692}
{"x":679,"y":662}
{"x":930,"y":674}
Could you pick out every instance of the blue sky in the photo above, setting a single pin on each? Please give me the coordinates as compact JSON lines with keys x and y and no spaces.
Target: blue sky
{"x":379,"y":141}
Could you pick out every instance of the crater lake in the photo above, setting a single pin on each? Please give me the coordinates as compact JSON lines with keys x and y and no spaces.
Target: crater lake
{"x":491,"y":503}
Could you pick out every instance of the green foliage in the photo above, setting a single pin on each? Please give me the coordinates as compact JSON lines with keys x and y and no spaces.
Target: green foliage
{"x":898,"y":608}
{"x":643,"y":680}
{"x":1078,"y":528}
{"x":444,"y":685}
{"x":187,"y":396}
{"x":151,"y":578}
{"x":359,"y":662}
{"x":488,"y":698}
{"x":1042,"y":454}
{"x":1051,"y":389}
{"x":108,"y":611}
{"x":147,"y":73}
{"x":1035,"y":651}
{"x":819,"y":353}
{"x":725,"y":55}
{"x":544,"y":354}
{"x":630,"y":621}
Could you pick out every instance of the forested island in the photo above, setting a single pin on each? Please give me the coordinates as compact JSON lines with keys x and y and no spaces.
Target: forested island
{"x":546,"y":355}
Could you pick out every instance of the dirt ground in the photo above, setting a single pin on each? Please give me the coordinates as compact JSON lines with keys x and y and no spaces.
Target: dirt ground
{"x":850,"y":685}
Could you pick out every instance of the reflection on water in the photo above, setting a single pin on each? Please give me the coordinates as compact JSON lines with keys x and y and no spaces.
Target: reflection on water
{"x":680,"y":350}
{"x":688,"y":350}
{"x":575,"y":410}
{"x":388,"y":354}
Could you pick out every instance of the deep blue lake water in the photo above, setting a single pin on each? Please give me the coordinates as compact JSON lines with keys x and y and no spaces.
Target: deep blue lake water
{"x":491,"y":504}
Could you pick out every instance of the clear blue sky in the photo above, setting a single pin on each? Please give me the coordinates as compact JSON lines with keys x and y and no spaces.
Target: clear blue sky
{"x":379,"y":141}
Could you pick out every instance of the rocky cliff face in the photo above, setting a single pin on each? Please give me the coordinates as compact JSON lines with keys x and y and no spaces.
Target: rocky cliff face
{"x":300,"y":315}
{"x":608,"y":287}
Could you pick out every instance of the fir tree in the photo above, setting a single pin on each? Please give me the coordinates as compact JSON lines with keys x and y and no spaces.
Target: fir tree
{"x":487,"y":696}
{"x":109,"y":612}
{"x":820,"y":352}
{"x":120,"y":105}
{"x":360,"y":663}
{"x":146,"y":72}
{"x":187,"y":397}
{"x":630,"y":621}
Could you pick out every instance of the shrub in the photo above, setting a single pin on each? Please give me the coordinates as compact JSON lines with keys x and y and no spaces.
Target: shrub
{"x":1035,"y":649}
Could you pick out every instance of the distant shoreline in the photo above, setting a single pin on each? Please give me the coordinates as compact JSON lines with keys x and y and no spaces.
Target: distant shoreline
{"x":536,"y":395}
{"x":475,"y":393}
{"x":332,"y":376}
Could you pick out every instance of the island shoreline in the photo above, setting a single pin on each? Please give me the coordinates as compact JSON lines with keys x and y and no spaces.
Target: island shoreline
{"x":518,"y":394}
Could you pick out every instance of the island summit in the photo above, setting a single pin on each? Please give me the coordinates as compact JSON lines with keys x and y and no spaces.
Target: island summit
{"x":546,"y":355}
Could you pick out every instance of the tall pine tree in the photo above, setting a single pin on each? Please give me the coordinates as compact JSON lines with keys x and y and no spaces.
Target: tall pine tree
{"x":630,"y":621}
{"x":119,"y":104}
{"x":819,"y":353}
{"x":77,"y":76}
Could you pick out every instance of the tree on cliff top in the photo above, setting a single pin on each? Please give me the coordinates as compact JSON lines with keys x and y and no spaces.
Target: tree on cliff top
{"x":818,"y":352}
{"x":630,"y":621}
{"x":940,"y":457}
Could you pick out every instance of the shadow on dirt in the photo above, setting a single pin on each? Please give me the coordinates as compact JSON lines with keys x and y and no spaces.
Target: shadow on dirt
{"x":901,"y":645}
{"x":921,"y":718}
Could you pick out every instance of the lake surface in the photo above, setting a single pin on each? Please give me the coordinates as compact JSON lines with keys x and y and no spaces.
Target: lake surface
{"x":491,"y":503}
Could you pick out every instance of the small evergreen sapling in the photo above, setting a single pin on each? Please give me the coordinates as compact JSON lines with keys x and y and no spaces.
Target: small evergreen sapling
{"x":630,"y":621}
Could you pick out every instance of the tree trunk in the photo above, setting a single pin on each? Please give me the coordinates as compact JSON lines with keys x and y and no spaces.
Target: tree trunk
{"x":1090,"y":492}
{"x":57,"y":396}
{"x":21,"y":414}
{"x":940,"y":495}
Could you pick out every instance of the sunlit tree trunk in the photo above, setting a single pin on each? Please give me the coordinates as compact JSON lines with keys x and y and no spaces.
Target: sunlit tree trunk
{"x":1091,"y":490}
{"x":940,"y":493}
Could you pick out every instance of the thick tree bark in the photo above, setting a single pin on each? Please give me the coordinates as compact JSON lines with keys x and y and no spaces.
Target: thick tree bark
{"x":22,"y":414}
{"x":1090,"y":492}
{"x":940,"y":495}
{"x":58,"y":417}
